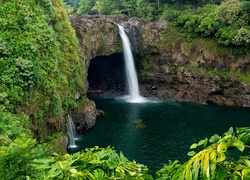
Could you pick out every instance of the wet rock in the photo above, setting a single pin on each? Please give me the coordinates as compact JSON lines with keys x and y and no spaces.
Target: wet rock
{"x":197,"y":88}
{"x":85,"y":117}
{"x":100,"y":113}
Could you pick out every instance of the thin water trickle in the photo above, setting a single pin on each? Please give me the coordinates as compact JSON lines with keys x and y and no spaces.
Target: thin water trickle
{"x":131,"y":75}
{"x":71,"y":132}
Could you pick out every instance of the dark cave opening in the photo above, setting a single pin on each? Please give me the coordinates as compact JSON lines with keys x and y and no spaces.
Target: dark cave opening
{"x":107,"y":73}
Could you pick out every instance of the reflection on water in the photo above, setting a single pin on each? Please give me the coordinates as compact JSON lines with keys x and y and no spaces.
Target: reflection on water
{"x":153,"y":133}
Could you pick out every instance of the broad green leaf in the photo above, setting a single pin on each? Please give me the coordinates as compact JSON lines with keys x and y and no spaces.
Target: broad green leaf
{"x":132,"y":173}
{"x":196,"y":168}
{"x":99,"y":174}
{"x":220,"y":157}
{"x":54,"y":173}
{"x":191,"y":153}
{"x":238,"y":144}
{"x":75,"y":173}
{"x":213,"y":156}
{"x":231,"y":130}
{"x":205,"y":142}
{"x":111,"y":164}
{"x":212,"y":167}
{"x":206,"y":164}
{"x":245,"y":173}
{"x":244,"y":160}
{"x":188,"y":174}
{"x":222,"y":147}
{"x":201,"y":142}
{"x":193,"y":146}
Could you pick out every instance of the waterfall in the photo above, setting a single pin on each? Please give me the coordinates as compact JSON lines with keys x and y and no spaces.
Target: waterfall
{"x":133,"y":87}
{"x":71,"y":132}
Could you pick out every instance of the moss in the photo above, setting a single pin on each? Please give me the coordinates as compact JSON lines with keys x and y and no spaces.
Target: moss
{"x":57,"y":143}
{"x":243,"y":77}
{"x":41,"y":65}
{"x":145,"y":66}
{"x":79,"y":104}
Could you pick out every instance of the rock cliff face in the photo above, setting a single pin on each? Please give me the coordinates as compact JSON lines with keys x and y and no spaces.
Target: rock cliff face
{"x":166,"y":62}
{"x":85,"y":117}
{"x":185,"y":86}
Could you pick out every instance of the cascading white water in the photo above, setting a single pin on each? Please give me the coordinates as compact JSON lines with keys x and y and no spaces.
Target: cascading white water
{"x":71,"y":132}
{"x":134,"y":95}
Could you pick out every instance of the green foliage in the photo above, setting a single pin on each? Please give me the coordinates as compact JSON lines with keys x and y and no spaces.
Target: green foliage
{"x":16,"y":158}
{"x":212,"y":161}
{"x":141,"y":8}
{"x":145,"y":9}
{"x":40,"y":65}
{"x":11,"y":127}
{"x":242,"y":36}
{"x":92,"y":163}
{"x":243,"y":77}
{"x":170,"y":12}
{"x":228,"y":22}
{"x":108,"y":7}
{"x":86,"y":6}
{"x":168,"y":170}
{"x":145,"y":67}
{"x":128,"y":7}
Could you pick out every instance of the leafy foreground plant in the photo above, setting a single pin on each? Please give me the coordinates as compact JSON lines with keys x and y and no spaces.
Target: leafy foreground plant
{"x":24,"y":159}
{"x":92,"y":163}
{"x":213,"y":162}
{"x":16,"y":158}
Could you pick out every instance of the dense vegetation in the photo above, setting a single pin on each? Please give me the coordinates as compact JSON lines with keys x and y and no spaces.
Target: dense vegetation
{"x":227,"y":21}
{"x":41,"y":70}
{"x":149,"y":9}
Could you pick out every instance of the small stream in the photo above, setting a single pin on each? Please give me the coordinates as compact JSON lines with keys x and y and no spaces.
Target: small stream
{"x":153,"y":133}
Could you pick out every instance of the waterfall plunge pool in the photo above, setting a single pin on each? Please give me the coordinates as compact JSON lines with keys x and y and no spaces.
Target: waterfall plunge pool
{"x":153,"y":133}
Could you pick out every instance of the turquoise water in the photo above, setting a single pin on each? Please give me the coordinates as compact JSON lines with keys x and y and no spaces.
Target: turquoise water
{"x":153,"y":133}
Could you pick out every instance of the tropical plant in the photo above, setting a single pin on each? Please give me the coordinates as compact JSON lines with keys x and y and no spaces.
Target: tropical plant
{"x":213,"y":162}
{"x":17,"y":156}
{"x":92,"y":163}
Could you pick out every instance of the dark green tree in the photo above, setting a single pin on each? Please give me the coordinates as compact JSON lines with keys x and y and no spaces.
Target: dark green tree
{"x":108,"y":7}
{"x":128,"y":7}
{"x":145,"y":9}
{"x":86,"y":6}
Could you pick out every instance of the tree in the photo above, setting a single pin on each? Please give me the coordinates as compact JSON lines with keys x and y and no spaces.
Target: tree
{"x":85,"y":6}
{"x":229,"y":11}
{"x":145,"y":9}
{"x":108,"y":7}
{"x":128,"y":7}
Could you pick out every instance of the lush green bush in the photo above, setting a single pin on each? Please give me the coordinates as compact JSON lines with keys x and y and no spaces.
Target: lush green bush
{"x":228,"y":22}
{"x":23,"y":158}
{"x":16,"y":158}
{"x":92,"y":163}
{"x":213,"y":160}
{"x":12,"y":127}
{"x":41,"y":68}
